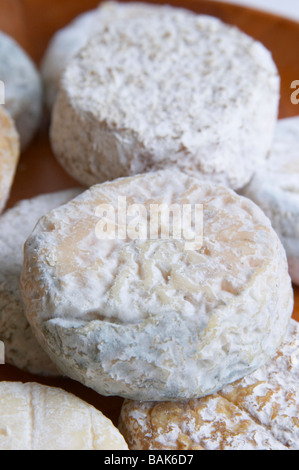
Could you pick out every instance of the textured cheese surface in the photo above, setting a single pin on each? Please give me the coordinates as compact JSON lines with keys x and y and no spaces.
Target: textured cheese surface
{"x":9,"y":155}
{"x":147,"y":318}
{"x":166,"y":88}
{"x":68,"y":41}
{"x":37,"y":417}
{"x":21,"y":348}
{"x":275,"y":188}
{"x":260,"y":412}
{"x":23,"y":88}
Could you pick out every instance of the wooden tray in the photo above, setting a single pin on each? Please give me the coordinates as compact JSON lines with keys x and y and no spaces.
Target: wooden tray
{"x":32,"y":23}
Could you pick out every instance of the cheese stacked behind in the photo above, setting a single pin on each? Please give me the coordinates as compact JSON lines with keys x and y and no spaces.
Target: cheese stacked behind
{"x":152,"y":318}
{"x":275,"y":188}
{"x":63,"y":46}
{"x":165,"y":87}
{"x":23,"y":88}
{"x":68,"y":41}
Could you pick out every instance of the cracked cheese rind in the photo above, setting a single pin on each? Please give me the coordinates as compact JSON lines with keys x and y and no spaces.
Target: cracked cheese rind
{"x":147,"y":318}
{"x":170,"y":89}
{"x":275,"y":188}
{"x":23,"y":88}
{"x":39,"y":417}
{"x":68,"y":41}
{"x":260,"y":412}
{"x":9,"y":155}
{"x":21,"y":348}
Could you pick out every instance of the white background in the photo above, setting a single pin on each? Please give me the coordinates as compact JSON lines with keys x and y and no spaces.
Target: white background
{"x":286,"y":8}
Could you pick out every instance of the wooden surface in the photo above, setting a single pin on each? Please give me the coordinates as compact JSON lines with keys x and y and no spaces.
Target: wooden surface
{"x":33,"y":22}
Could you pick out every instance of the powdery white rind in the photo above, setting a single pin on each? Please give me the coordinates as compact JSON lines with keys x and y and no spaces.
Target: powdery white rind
{"x":68,"y":41}
{"x":23,"y":88}
{"x":170,"y":89}
{"x":260,"y":412}
{"x":9,"y":155}
{"x":21,"y":348}
{"x":275,"y":188}
{"x":149,"y":319}
{"x":38,"y":417}
{"x":62,"y":47}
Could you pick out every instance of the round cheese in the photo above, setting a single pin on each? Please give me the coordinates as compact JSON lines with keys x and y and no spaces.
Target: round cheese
{"x":9,"y":155}
{"x":21,"y":348}
{"x":38,"y":417}
{"x":127,"y":298}
{"x":68,"y":41}
{"x":275,"y":188}
{"x":168,"y":88}
{"x":260,"y":412}
{"x":22,"y":88}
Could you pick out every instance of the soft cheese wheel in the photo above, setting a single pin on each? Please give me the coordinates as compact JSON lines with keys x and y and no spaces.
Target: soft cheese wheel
{"x":260,"y":412}
{"x":38,"y":417}
{"x":23,"y":88}
{"x":166,"y":89}
{"x":21,"y":348}
{"x":275,"y":188}
{"x":9,"y":155}
{"x":152,"y":317}
{"x":68,"y":41}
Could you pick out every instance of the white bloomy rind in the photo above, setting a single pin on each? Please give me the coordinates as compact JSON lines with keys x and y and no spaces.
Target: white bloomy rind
{"x":275,"y":188}
{"x":23,"y":88}
{"x":148,"y":319}
{"x":63,"y":46}
{"x":171,"y":88}
{"x":68,"y":41}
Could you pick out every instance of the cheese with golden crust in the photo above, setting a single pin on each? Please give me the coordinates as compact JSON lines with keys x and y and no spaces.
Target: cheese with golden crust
{"x":9,"y":155}
{"x":260,"y":412}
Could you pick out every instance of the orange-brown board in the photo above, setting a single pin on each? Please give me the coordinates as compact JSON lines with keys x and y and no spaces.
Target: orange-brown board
{"x":32,"y":23}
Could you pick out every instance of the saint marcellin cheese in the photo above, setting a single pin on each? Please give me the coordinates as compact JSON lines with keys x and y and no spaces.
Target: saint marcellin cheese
{"x":259,"y":412}
{"x":39,"y":417}
{"x":165,"y":87}
{"x":157,"y":316}
{"x":275,"y":188}
{"x":22,"y":88}
{"x":9,"y":155}
{"x":16,"y":224}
